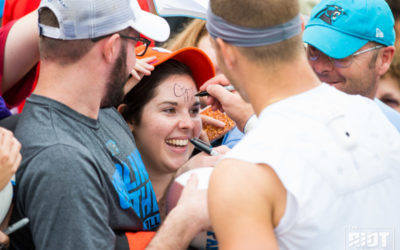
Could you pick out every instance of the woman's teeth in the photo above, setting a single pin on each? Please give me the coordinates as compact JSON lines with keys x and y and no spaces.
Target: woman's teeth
{"x":177,"y":143}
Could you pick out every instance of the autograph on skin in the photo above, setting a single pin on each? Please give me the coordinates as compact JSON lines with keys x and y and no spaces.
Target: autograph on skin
{"x":186,"y":93}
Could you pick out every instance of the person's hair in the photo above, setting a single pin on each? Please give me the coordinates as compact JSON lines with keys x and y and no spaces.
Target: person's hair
{"x":189,"y":37}
{"x":262,"y":14}
{"x":394,"y":69}
{"x":62,"y":51}
{"x":395,"y":7}
{"x":145,"y":90}
{"x":372,"y":62}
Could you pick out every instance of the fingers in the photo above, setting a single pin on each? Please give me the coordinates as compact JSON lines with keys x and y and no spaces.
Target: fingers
{"x":193,"y":181}
{"x":143,"y":66}
{"x":212,"y":121}
{"x":135,"y":75}
{"x":10,"y":157}
{"x":219,"y":97}
{"x":219,"y":80}
{"x":204,"y":137}
{"x":9,"y":148}
{"x":216,"y":80}
{"x":190,"y":187}
{"x":221,"y":94}
{"x":4,"y":239}
{"x":222,"y":149}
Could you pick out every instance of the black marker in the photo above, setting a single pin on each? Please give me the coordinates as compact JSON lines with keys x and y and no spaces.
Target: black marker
{"x":17,"y":225}
{"x":205,"y":93}
{"x":204,"y":147}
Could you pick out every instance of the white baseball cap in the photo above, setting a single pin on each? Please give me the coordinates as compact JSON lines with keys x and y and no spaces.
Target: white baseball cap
{"x":87,"y":19}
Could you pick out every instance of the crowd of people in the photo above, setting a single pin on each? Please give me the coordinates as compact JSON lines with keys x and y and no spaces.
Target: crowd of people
{"x":312,"y":161}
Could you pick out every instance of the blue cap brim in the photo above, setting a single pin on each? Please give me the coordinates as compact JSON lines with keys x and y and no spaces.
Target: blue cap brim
{"x":331,"y":42}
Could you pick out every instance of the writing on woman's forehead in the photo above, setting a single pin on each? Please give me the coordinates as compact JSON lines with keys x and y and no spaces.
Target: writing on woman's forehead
{"x":186,"y":93}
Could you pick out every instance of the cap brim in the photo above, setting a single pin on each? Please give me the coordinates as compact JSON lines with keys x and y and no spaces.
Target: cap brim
{"x":152,"y":26}
{"x":199,"y":63}
{"x":331,"y":42}
{"x":201,"y":66}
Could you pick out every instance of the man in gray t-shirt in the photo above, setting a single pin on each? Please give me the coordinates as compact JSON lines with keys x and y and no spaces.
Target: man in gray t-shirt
{"x":82,"y":182}
{"x":80,"y":178}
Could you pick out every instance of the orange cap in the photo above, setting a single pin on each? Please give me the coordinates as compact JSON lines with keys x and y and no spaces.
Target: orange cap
{"x":201,"y":66}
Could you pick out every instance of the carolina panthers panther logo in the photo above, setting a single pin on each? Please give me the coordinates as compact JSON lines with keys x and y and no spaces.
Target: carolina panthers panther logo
{"x":330,"y":14}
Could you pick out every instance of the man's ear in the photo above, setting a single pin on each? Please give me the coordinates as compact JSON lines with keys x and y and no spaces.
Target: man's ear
{"x":227,"y":53}
{"x":385,"y":59}
{"x":110,"y":47}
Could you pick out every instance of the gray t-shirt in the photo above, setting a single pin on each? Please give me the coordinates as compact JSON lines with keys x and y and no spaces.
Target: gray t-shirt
{"x":82,"y":182}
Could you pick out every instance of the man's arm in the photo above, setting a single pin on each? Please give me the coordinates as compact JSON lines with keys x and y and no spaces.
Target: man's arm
{"x":185,"y":221}
{"x":21,"y":52}
{"x":246,"y":202}
{"x":63,"y":197}
{"x":10,"y":157}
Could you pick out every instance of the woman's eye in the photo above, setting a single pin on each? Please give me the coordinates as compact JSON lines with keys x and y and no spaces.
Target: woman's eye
{"x":390,"y":102}
{"x":169,"y":110}
{"x":195,"y":110}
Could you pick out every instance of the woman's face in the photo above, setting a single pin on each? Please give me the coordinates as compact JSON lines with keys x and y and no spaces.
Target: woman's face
{"x":168,"y":121}
{"x":389,"y":92}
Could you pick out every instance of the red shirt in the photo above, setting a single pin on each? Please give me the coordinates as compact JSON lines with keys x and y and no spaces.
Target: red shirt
{"x":15,"y":9}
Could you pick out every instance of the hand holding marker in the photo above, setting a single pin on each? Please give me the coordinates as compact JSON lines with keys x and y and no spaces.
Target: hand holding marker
{"x":204,"y":147}
{"x":205,"y":93}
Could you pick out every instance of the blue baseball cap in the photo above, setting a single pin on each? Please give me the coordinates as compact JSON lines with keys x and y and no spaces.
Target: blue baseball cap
{"x":339,"y":28}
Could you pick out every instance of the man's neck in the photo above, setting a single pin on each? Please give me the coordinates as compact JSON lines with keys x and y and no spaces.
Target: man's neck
{"x":74,"y":85}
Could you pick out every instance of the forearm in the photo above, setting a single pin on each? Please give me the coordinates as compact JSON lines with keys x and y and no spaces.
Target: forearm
{"x":21,"y":52}
{"x":176,"y":232}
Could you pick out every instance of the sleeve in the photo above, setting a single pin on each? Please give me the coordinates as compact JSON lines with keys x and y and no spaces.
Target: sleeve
{"x":139,"y":240}
{"x":64,"y":199}
{"x":232,"y":137}
{"x":23,"y":88}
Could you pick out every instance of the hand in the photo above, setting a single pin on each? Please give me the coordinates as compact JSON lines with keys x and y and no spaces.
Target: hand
{"x":142,"y":68}
{"x":193,"y":202}
{"x":4,"y":241}
{"x":230,"y":102}
{"x":203,"y":160}
{"x":10,"y":157}
{"x":205,"y":119}
{"x":212,"y":121}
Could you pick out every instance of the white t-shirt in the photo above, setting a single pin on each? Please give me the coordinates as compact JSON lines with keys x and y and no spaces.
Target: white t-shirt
{"x":5,"y":200}
{"x":339,"y":158}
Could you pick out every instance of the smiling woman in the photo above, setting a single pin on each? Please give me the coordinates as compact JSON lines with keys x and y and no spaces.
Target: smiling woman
{"x":389,"y":85}
{"x":163,"y":112}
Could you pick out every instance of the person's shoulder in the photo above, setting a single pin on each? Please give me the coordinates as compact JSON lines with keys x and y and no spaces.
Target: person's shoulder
{"x":58,"y":164}
{"x":250,"y":186}
{"x":240,"y":171}
{"x":111,"y":119}
{"x":111,"y":115}
{"x":59,"y":157}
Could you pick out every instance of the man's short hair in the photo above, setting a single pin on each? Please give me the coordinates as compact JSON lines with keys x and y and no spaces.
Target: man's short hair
{"x":60,"y":51}
{"x":262,"y":14}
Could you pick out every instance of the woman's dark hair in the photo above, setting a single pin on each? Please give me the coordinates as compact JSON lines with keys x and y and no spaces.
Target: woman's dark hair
{"x":144,"y":91}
